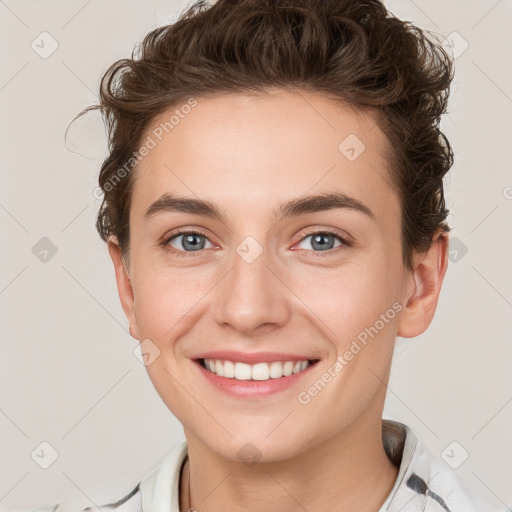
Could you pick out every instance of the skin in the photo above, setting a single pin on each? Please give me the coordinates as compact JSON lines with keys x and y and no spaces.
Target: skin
{"x":248,"y":154}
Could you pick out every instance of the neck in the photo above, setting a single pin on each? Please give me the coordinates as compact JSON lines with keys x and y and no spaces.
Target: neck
{"x":333,"y":475}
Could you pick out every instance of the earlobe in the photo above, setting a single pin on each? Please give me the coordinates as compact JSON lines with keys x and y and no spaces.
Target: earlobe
{"x":427,"y":278}
{"x":124,"y":285}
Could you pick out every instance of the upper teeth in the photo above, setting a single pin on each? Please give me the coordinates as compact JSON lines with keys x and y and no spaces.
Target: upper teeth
{"x":259,"y":371}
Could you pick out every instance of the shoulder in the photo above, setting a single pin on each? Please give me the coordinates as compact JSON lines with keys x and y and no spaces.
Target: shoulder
{"x":426,"y":483}
{"x":48,"y":508}
{"x":453,"y":491}
{"x":158,"y":489}
{"x":130,"y":502}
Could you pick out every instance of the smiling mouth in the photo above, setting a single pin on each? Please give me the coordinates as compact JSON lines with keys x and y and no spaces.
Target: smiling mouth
{"x":255,"y":372}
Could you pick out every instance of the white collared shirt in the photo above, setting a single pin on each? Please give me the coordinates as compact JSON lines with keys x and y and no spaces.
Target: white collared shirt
{"x":424,"y":483}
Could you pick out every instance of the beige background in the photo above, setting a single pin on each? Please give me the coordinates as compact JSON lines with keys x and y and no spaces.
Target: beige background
{"x":68,"y":373}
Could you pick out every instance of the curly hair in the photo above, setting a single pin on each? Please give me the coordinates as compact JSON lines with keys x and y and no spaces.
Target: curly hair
{"x":355,"y":52}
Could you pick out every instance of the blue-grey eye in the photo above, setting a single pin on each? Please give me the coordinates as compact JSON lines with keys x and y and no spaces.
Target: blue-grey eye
{"x":190,"y":241}
{"x":322,"y":241}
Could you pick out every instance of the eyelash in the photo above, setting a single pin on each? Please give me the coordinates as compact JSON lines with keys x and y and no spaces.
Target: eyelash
{"x":182,"y":254}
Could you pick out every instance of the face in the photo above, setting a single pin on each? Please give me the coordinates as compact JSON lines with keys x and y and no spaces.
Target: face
{"x":264,"y":271}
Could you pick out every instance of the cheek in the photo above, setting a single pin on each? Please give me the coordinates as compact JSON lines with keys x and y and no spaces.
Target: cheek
{"x":350,"y":298}
{"x":165,"y":298}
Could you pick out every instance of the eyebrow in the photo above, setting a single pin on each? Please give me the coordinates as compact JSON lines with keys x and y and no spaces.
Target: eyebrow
{"x":293,"y":208}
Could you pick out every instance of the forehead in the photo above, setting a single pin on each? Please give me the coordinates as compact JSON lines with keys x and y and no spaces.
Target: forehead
{"x":260,"y":150}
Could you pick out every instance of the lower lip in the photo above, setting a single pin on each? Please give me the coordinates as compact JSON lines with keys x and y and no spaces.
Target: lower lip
{"x":253,"y":388}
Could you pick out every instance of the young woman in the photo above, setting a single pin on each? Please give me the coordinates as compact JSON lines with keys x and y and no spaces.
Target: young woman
{"x":274,"y":210}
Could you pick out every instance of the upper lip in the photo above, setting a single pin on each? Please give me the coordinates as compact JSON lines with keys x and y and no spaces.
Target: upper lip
{"x":252,"y":357}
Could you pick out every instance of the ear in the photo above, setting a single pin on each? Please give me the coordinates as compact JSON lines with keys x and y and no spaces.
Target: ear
{"x":124,"y":285}
{"x":426,"y":280}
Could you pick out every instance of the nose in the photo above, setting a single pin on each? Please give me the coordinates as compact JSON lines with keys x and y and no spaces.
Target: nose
{"x":252,"y":298}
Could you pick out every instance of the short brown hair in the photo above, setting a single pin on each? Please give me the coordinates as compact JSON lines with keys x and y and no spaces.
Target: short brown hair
{"x":353,"y":51}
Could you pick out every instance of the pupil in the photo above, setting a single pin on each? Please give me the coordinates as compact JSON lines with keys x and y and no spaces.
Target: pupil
{"x":319,"y":239}
{"x":189,"y":239}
